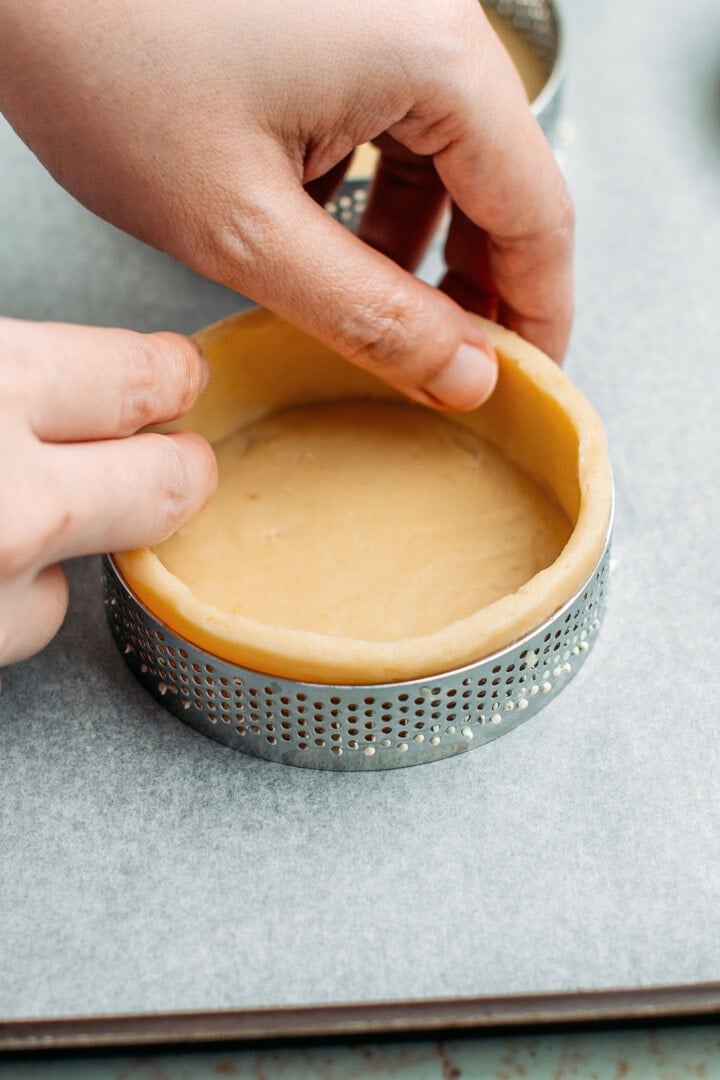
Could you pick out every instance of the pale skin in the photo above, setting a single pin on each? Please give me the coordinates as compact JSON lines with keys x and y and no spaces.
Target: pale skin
{"x":215,"y":130}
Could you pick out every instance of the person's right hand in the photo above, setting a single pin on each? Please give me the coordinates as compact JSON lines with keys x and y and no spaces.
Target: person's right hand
{"x":77,"y":479}
{"x":211,"y":127}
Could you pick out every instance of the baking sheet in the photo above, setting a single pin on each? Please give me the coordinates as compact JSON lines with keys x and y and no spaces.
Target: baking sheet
{"x":146,"y":869}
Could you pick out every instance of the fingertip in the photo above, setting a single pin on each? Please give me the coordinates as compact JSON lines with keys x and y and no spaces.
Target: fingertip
{"x":467,"y":381}
{"x":192,"y":364}
{"x":202,"y":458}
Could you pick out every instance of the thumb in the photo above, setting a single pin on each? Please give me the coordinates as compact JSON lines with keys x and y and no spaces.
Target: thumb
{"x":291,"y":256}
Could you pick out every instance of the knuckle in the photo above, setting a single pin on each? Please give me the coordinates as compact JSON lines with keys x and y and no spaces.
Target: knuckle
{"x":162,"y":380}
{"x":562,"y":227}
{"x":235,"y":248}
{"x":407,"y":338}
{"x":176,"y":488}
{"x":378,"y":334}
{"x":137,"y":404}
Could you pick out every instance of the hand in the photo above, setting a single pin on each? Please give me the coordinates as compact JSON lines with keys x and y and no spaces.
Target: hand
{"x":206,"y":126}
{"x":76,"y":478}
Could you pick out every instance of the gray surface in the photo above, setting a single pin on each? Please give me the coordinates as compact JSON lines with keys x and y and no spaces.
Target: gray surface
{"x":145,"y":867}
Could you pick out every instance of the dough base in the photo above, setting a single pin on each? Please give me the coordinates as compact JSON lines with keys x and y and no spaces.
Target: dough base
{"x":536,"y":423}
{"x":369,"y":519}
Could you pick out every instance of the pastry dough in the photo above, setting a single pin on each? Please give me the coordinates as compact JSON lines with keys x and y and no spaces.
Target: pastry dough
{"x":357,"y":538}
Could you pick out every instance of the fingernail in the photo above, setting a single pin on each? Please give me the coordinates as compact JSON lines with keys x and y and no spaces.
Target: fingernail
{"x":467,"y":381}
{"x":204,"y":371}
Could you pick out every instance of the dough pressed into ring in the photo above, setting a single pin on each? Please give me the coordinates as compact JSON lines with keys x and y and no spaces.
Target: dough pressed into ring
{"x":357,"y":538}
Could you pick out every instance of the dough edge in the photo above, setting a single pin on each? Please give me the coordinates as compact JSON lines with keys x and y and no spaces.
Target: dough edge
{"x":319,"y":658}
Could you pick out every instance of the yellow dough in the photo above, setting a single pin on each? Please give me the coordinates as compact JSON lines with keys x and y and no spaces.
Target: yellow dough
{"x":357,"y":538}
{"x":370,"y":519}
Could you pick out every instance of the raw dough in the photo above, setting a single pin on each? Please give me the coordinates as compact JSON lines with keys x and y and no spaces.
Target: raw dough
{"x":536,"y":423}
{"x":369,"y":519}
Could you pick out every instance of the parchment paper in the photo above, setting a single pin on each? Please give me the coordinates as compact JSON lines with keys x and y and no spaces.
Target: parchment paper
{"x":144,"y":867}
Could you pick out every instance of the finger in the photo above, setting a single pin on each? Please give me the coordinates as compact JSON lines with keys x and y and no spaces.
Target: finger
{"x":122,"y":493}
{"x":498,"y":168}
{"x":82,"y":383}
{"x":406,"y":202}
{"x":38,"y":612}
{"x":469,"y":277}
{"x":294,"y":258}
